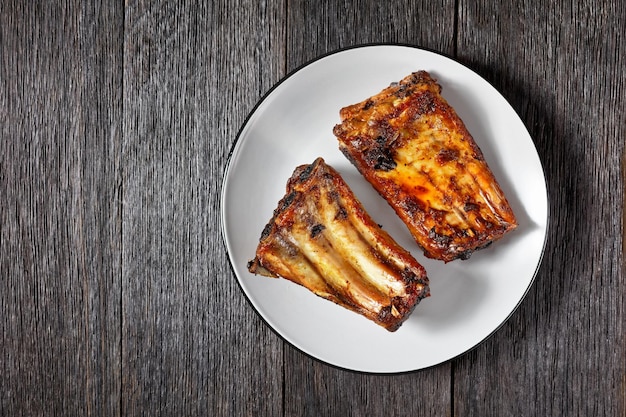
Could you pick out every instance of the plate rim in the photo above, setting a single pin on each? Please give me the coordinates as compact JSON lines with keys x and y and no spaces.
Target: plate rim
{"x":229,"y":162}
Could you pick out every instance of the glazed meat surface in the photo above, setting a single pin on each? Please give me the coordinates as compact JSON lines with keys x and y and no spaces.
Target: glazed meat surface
{"x":410,"y":144}
{"x":321,"y":237}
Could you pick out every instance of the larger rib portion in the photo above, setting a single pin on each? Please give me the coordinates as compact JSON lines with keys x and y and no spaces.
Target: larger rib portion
{"x":321,"y":238}
{"x":410,"y":144}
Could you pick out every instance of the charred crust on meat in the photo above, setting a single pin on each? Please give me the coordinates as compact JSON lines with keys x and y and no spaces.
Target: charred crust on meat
{"x":408,"y":275}
{"x":306,"y":173}
{"x":342,"y":213}
{"x":381,"y":158}
{"x":384,"y":163}
{"x":446,"y":155}
{"x":267,"y":230}
{"x":412,"y":206}
{"x":333,"y":197}
{"x":286,"y":202}
{"x":367,"y":104}
{"x":316,"y":229}
{"x":425,"y":103}
{"x":441,"y":240}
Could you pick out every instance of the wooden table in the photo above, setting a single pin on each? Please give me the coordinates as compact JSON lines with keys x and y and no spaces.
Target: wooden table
{"x":116,"y":294}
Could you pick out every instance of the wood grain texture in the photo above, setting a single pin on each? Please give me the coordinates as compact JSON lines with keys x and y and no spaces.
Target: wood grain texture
{"x":314,"y":29}
{"x":191,"y":343}
{"x":116,"y":294}
{"x":563,"y":352}
{"x":60,"y":112}
{"x":315,"y":389}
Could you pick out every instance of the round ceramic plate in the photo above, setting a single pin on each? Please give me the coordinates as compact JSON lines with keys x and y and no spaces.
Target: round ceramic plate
{"x":293,"y":124}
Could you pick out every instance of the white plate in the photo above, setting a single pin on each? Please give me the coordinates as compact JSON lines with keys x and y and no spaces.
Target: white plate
{"x":293,"y":124}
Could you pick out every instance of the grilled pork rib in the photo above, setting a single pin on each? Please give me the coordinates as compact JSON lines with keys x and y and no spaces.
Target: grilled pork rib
{"x":321,"y":238}
{"x":410,"y":144}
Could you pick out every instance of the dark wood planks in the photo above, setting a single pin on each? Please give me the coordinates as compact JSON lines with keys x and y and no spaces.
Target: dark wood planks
{"x":317,"y":28}
{"x":563,"y":352}
{"x":315,"y":389}
{"x":191,"y":343}
{"x":60,"y":124}
{"x":311,"y":387}
{"x":116,"y":296}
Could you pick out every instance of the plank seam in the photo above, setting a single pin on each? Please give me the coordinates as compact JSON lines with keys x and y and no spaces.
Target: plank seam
{"x":121,"y":214}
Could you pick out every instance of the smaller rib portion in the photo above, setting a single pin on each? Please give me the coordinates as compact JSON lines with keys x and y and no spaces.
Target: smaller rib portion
{"x":321,"y":237}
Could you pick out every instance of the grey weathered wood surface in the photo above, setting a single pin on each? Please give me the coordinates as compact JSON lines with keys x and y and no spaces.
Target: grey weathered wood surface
{"x":116,"y":296}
